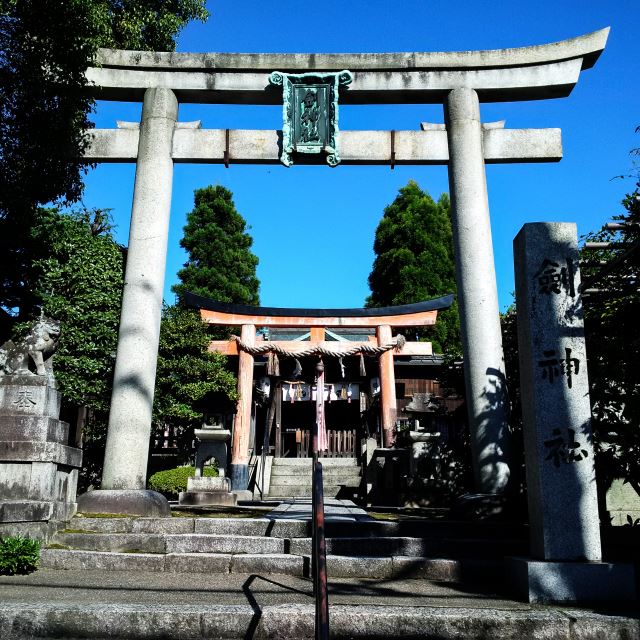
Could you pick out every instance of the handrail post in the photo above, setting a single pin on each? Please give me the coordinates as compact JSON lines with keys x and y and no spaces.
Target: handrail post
{"x":319,"y":545}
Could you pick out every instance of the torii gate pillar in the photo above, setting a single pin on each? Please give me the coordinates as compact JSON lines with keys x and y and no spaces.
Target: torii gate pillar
{"x":484,"y":371}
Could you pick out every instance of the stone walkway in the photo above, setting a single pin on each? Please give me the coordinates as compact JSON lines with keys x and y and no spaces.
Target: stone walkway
{"x":147,"y":606}
{"x":334,"y":510}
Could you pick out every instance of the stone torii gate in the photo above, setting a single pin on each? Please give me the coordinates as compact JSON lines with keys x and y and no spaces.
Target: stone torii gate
{"x":457,"y":80}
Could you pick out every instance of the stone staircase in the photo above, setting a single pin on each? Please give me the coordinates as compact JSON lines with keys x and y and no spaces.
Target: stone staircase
{"x":356,"y":549}
{"x":291,"y":477}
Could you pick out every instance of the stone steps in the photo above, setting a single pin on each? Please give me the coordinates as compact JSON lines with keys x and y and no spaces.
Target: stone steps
{"x":265,"y":546}
{"x":291,"y":477}
{"x":171,"y":543}
{"x":327,"y":463}
{"x":350,"y":479}
{"x":305,"y":472}
{"x":74,"y":559}
{"x":220,"y":526}
{"x":472,"y":619}
{"x":304,"y":491}
{"x":338,"y":566}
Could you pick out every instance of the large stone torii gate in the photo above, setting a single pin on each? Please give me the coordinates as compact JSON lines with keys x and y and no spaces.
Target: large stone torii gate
{"x":458,"y":80}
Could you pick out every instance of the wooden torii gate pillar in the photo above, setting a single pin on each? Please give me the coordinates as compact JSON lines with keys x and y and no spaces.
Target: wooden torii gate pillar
{"x":248,"y":317}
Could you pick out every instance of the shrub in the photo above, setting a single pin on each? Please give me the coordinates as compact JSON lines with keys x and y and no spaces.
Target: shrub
{"x":18,"y":555}
{"x":172,"y":481}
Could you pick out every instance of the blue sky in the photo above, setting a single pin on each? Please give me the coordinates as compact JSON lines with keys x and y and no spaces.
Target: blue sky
{"x":313,"y":227}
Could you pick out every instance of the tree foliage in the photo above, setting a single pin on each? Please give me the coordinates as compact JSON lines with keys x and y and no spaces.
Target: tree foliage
{"x":76,"y":277}
{"x":187,"y":372}
{"x":45,"y":48}
{"x":414,"y":260}
{"x":221,"y":264}
{"x":188,"y":377}
{"x":613,"y":344}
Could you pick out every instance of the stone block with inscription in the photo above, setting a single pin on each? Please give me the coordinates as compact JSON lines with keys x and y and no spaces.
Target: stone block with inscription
{"x":563,"y":510}
{"x":38,"y":470}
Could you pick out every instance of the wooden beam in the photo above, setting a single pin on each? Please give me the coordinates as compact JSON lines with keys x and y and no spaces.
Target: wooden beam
{"x":423,"y":318}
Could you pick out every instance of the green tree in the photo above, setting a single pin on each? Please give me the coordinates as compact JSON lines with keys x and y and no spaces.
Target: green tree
{"x":612,"y":309}
{"x":188,"y":376}
{"x":45,"y":48}
{"x":77,"y":277}
{"x":414,"y":260}
{"x":220,"y":263}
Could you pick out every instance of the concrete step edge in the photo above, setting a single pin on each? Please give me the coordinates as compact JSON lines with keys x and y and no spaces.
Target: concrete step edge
{"x":75,"y":559}
{"x":134,"y":621}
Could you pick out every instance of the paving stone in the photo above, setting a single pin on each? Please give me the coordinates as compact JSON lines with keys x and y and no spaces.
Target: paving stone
{"x":358,"y":567}
{"x":440,"y":569}
{"x":252,"y":527}
{"x":163,"y":525}
{"x":268,"y":563}
{"x":373,"y":547}
{"x":199,"y":543}
{"x":143,"y":542}
{"x":102,"y":525}
{"x":197,"y":562}
{"x":71,"y":559}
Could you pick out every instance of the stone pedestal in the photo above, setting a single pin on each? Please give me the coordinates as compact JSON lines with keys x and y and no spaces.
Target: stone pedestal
{"x":38,"y":471}
{"x":556,"y":412}
{"x":212,"y":443}
{"x":208,"y":491}
{"x":422,"y":444}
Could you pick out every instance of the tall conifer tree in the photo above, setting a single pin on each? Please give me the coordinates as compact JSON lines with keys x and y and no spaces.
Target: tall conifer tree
{"x":414,"y":260}
{"x":220,"y":264}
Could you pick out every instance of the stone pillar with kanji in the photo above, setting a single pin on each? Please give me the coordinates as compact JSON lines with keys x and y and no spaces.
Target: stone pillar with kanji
{"x":566,"y":563}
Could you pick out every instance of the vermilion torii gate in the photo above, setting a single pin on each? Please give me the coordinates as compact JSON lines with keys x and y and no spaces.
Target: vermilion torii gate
{"x":458,"y":80}
{"x":383,"y":320}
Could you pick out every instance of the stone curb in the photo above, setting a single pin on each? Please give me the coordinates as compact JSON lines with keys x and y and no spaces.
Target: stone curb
{"x":221,"y":526}
{"x":370,"y":547}
{"x":188,"y":622}
{"x":73,"y":560}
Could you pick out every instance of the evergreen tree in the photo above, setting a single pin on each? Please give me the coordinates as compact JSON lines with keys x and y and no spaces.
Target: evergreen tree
{"x":76,"y":278}
{"x":188,"y":376}
{"x":414,"y":260}
{"x":220,"y":264}
{"x":45,"y":49}
{"x":613,"y":343}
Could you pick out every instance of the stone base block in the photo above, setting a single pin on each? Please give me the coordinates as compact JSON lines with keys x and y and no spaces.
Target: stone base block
{"x":209,"y":484}
{"x":36,"y":530}
{"x":25,"y":511}
{"x":208,"y":498}
{"x":29,"y":395}
{"x":132,"y":502}
{"x":576,"y":582}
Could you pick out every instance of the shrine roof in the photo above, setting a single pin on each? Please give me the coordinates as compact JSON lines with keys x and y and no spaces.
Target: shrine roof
{"x":416,"y":314}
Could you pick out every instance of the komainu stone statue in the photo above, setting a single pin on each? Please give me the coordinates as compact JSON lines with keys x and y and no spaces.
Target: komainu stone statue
{"x":37,"y":346}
